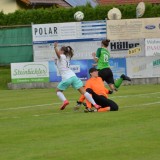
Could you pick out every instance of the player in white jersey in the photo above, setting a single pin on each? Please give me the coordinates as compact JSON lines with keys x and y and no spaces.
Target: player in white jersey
{"x":68,"y":76}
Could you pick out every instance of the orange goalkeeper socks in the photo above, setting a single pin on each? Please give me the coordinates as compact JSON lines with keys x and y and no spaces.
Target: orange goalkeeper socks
{"x":104,"y":109}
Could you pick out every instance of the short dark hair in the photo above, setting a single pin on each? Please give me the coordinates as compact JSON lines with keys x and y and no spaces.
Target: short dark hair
{"x":92,"y":70}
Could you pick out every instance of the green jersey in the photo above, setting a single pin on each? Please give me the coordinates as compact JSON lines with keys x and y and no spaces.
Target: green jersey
{"x":103,"y":56}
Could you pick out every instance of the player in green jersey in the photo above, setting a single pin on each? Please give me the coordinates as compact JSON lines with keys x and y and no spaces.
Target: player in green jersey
{"x":101,"y":57}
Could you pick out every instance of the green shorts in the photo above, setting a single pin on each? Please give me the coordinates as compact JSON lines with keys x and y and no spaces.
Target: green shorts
{"x":74,"y":81}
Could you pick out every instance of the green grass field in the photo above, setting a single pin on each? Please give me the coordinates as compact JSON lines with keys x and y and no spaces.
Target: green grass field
{"x":33,"y":128}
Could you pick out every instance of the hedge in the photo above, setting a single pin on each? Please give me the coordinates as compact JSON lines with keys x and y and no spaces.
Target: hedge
{"x":55,"y":15}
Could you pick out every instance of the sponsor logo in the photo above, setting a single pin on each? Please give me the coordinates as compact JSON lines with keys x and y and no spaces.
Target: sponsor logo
{"x":156,"y":63}
{"x":156,"y":53}
{"x":31,"y":69}
{"x":140,"y":68}
{"x":75,"y":68}
{"x":39,"y":31}
{"x":150,"y":27}
{"x":133,"y":51}
{"x":153,"y":48}
{"x":153,"y":41}
{"x":120,"y":46}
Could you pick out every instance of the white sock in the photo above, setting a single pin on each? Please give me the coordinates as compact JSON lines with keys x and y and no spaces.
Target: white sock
{"x":89,"y":98}
{"x":61,"y":96}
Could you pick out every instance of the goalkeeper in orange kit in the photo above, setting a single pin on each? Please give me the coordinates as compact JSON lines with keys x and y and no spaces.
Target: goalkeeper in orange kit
{"x":96,"y":88}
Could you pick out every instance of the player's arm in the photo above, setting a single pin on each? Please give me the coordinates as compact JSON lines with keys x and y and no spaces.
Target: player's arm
{"x":106,"y":90}
{"x":96,"y":55}
{"x":56,"y":49}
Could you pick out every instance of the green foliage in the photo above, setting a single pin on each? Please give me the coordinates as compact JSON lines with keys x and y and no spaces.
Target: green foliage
{"x":1,"y":17}
{"x":55,"y":15}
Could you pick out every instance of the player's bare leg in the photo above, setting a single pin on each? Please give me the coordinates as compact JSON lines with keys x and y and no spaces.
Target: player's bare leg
{"x":62,"y":98}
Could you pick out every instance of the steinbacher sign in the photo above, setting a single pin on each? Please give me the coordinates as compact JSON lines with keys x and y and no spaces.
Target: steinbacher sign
{"x":133,"y":28}
{"x":30,"y":72}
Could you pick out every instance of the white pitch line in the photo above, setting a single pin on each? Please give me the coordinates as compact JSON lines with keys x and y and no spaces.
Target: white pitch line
{"x":143,"y":104}
{"x":50,"y":114}
{"x":126,"y":96}
{"x":39,"y":105}
{"x":49,"y":104}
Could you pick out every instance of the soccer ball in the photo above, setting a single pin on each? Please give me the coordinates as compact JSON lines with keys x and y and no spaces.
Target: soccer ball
{"x":78,"y":16}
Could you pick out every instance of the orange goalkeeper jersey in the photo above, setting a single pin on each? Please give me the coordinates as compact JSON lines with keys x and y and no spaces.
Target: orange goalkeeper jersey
{"x":97,"y":85}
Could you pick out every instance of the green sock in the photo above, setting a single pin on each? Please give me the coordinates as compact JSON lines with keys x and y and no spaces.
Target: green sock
{"x":118,"y":82}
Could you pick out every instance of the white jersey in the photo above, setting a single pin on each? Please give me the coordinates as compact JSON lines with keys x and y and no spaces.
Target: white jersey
{"x":63,"y":64}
